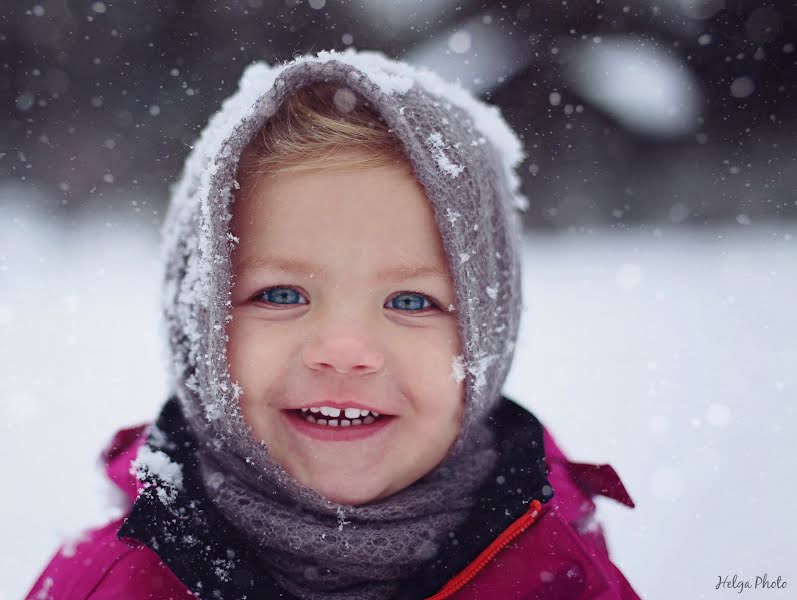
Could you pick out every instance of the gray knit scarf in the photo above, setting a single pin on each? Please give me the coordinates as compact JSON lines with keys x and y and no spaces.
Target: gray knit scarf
{"x":465,"y":155}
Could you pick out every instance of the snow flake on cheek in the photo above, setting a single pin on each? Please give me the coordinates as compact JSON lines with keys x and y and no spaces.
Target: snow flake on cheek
{"x":458,"y":368}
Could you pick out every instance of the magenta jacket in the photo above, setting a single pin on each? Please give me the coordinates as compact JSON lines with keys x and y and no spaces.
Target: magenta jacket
{"x":533,"y":536}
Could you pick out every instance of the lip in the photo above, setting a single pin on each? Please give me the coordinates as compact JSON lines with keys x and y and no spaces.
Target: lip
{"x":326,"y":433}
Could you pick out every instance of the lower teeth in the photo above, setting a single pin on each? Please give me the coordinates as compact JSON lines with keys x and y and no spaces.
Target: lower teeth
{"x":340,"y":422}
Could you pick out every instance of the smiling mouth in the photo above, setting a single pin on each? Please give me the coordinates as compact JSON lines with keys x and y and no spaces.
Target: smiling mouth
{"x":319,"y":419}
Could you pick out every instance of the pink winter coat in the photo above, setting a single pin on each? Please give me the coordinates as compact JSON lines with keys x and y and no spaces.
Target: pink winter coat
{"x":554,"y":551}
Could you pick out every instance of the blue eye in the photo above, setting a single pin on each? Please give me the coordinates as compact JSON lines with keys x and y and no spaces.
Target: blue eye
{"x":410,"y":301}
{"x":281,"y":295}
{"x":288,"y":296}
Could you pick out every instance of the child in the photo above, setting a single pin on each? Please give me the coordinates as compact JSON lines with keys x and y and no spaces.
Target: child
{"x":342,"y":298}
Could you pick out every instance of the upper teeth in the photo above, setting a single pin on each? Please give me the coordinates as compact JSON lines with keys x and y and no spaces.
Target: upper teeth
{"x":349,"y":413}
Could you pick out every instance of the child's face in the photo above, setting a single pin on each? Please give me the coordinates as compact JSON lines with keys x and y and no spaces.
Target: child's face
{"x":342,"y":332}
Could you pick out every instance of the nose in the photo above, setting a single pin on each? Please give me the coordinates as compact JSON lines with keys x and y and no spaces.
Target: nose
{"x":348,"y":353}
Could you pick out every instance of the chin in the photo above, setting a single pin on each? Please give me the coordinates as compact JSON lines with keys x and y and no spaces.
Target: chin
{"x":347,"y":492}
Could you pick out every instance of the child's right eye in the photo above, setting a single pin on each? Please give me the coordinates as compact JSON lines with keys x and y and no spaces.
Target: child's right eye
{"x":281,"y":295}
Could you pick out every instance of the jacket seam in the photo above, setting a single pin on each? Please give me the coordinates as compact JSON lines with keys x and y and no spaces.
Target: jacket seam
{"x":107,"y":572}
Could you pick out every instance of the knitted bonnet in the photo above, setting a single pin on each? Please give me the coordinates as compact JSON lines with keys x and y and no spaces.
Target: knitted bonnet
{"x":462,"y":152}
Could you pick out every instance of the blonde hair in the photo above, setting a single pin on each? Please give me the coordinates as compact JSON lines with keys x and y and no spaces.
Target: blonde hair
{"x":321,"y":126}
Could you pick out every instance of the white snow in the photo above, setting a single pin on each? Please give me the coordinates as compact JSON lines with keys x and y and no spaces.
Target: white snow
{"x":342,"y":519}
{"x":43,"y":593}
{"x":458,"y":367}
{"x":437,"y":146}
{"x":460,"y":41}
{"x":478,"y":367}
{"x":628,"y":276}
{"x":156,"y":463}
{"x":703,"y":440}
{"x":667,"y":483}
{"x":718,"y":415}
{"x":452,"y":215}
{"x":741,"y":87}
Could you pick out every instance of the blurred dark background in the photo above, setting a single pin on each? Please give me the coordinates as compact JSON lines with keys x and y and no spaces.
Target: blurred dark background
{"x":661,"y":111}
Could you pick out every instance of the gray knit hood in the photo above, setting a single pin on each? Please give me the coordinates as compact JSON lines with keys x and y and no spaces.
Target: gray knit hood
{"x":463,"y":153}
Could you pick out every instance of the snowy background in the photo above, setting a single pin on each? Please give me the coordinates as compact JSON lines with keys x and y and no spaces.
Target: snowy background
{"x":660,"y":268}
{"x":668,"y":353}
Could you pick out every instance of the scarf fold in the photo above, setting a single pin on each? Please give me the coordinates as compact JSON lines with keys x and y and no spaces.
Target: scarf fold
{"x":317,"y":549}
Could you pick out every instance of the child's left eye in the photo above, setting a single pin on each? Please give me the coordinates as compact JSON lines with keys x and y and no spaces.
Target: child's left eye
{"x":411,"y":301}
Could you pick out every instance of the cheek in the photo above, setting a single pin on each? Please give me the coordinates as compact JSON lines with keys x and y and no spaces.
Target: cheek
{"x":248,"y":351}
{"x":432,"y":367}
{"x":246,"y":355}
{"x":451,"y":350}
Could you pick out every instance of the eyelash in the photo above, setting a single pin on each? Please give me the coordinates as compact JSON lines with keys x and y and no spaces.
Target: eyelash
{"x":433,"y":304}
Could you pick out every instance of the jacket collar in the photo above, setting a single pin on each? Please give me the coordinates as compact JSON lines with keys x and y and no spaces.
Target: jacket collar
{"x":213,"y":560}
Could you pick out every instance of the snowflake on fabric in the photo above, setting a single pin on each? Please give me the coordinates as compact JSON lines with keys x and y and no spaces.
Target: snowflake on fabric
{"x":438,"y":145}
{"x":342,"y":519}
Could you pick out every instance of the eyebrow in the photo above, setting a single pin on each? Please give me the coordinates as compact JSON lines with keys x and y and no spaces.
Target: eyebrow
{"x":301,"y":267}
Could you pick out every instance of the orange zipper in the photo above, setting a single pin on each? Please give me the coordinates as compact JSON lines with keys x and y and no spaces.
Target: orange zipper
{"x":509,"y":534}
